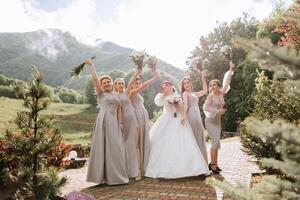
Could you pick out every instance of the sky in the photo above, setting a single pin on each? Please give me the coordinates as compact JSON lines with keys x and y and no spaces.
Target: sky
{"x":169,"y":29}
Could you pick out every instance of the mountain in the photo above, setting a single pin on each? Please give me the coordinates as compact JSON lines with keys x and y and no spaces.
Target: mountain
{"x":56,"y":52}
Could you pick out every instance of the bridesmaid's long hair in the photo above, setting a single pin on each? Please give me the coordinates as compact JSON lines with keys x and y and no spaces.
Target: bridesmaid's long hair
{"x":181,"y":84}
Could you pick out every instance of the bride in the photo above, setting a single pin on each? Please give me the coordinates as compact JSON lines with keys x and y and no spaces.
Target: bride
{"x":174,"y":150}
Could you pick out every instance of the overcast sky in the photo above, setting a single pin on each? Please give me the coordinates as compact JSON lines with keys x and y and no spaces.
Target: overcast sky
{"x":170,"y":29}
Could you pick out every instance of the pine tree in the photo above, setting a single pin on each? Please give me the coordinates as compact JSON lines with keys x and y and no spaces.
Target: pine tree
{"x":34,"y":138}
{"x":285,"y":134}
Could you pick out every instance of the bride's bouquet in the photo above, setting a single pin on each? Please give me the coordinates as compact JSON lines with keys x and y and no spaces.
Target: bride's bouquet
{"x":138,"y":58}
{"x":174,"y":99}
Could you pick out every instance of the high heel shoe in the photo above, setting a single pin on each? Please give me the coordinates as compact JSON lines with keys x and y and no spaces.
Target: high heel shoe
{"x":218,"y":168}
{"x":214,"y":171}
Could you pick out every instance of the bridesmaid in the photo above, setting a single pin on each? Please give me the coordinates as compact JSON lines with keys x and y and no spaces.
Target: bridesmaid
{"x":129,"y":127}
{"x":142,"y":116}
{"x":192,"y":111}
{"x":107,"y":159}
{"x":213,"y":109}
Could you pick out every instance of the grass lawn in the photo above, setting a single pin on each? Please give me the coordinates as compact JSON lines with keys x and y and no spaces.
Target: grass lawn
{"x":76,"y":121}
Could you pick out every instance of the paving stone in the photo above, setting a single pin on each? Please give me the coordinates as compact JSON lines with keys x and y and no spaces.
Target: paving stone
{"x":236,"y":169}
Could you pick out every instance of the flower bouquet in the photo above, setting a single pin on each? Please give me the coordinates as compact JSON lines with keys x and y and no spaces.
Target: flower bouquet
{"x":196,"y":63}
{"x":174,"y":99}
{"x":151,"y":62}
{"x":75,"y":72}
{"x":227,"y":52}
{"x":138,"y":58}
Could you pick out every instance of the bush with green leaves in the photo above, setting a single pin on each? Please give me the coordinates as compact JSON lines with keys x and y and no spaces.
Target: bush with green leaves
{"x":67,"y":95}
{"x":272,"y":101}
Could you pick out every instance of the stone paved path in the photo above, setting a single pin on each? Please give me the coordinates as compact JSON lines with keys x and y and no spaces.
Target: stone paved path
{"x":236,"y":169}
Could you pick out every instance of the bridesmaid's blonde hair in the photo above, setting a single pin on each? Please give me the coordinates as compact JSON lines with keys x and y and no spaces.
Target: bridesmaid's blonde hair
{"x":118,"y":80}
{"x":104,"y":77}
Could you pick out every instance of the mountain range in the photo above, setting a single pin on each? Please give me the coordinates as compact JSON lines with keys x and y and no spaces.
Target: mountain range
{"x":55,"y":52}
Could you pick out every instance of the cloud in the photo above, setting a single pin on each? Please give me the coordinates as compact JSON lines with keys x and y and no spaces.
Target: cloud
{"x":169,"y":29}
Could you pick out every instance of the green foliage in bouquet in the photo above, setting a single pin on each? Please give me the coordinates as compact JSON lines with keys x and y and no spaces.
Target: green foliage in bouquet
{"x":76,"y":71}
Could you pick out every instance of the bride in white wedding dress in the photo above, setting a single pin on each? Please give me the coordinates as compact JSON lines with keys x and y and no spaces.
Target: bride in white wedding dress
{"x":174,"y":151}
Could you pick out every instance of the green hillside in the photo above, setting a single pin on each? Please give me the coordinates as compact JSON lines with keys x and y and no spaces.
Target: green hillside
{"x":75,"y":121}
{"x":56,"y":52}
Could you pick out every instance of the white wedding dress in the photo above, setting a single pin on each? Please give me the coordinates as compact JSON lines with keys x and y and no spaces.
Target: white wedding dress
{"x":174,"y":150}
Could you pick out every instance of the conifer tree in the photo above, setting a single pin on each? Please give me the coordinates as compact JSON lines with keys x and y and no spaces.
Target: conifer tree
{"x":284,"y":134}
{"x":33,"y":139}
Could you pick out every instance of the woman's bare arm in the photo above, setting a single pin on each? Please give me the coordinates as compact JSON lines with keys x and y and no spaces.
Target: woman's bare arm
{"x":94,"y":77}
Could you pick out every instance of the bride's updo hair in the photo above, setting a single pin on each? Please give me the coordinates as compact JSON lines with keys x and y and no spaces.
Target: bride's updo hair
{"x":167,"y":82}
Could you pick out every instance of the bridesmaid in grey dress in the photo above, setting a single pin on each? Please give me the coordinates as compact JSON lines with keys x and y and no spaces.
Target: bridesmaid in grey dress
{"x":142,"y":117}
{"x":107,"y":161}
{"x":130,"y":128}
{"x":213,"y":109}
{"x":192,"y":111}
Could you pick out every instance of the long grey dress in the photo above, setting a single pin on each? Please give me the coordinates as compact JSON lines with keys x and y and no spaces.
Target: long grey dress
{"x":194,"y":118}
{"x":107,"y":159}
{"x":130,"y":128}
{"x":143,"y":122}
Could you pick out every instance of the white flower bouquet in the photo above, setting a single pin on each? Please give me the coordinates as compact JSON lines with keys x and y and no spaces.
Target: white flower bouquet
{"x":174,"y":99}
{"x":138,"y":58}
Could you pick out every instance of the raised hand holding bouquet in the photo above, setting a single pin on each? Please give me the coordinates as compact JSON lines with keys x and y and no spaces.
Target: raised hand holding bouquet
{"x":138,"y":58}
{"x":75,"y":72}
{"x":227,"y":52}
{"x":196,"y":63}
{"x":151,"y":62}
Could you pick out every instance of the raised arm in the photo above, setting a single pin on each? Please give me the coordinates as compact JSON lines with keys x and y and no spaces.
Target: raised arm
{"x":204,"y":84}
{"x":227,"y":79}
{"x":131,"y":81}
{"x":146,"y":84}
{"x":94,"y":77}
